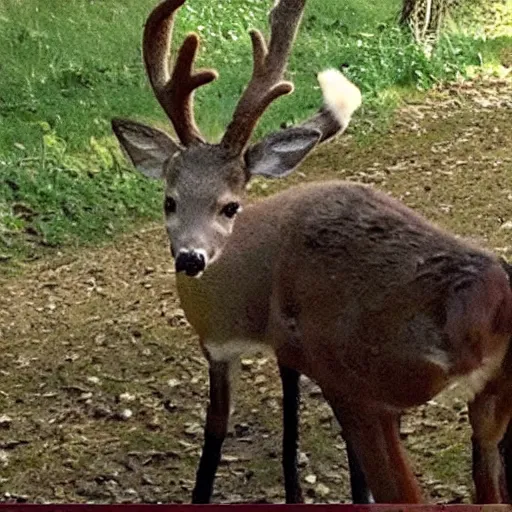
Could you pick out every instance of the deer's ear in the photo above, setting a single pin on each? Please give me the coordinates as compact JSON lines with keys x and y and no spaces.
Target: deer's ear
{"x":147,"y":148}
{"x":279,"y":153}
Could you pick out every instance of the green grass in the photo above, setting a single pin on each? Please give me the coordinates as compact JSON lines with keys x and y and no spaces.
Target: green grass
{"x":68,"y":67}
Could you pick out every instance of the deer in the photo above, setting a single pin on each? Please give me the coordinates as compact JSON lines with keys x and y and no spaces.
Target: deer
{"x":343,"y":283}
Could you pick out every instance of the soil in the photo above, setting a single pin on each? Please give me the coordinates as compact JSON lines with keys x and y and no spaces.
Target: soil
{"x":103,"y":387}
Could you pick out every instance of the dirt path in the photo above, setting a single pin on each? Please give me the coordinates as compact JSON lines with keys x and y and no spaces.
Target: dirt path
{"x":102,"y":386}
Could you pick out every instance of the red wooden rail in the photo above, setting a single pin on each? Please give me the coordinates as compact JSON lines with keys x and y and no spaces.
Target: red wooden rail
{"x":24,"y":507}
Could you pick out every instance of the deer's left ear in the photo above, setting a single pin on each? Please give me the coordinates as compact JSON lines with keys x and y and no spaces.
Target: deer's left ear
{"x":279,"y":153}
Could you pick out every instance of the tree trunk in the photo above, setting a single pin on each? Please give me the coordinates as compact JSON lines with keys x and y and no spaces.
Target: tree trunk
{"x":424,"y":17}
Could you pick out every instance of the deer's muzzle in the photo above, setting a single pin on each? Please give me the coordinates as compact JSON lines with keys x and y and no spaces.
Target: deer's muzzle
{"x":191,"y":262}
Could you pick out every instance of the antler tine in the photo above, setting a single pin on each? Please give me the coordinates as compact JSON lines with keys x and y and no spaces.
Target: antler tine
{"x":266,"y":83}
{"x":174,"y":92}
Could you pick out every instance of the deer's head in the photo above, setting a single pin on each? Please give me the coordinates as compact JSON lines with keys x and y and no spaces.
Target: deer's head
{"x":205,"y":183}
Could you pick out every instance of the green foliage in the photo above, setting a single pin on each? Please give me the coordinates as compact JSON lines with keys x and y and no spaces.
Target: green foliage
{"x":485,"y":19}
{"x":56,"y":197}
{"x":69,"y":67}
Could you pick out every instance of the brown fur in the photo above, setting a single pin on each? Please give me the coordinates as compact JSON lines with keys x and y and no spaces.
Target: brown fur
{"x":361,"y":294}
{"x":425,"y":301}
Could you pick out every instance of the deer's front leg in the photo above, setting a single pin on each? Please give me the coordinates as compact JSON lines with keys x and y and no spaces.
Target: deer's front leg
{"x":291,"y":400}
{"x":216,"y":428}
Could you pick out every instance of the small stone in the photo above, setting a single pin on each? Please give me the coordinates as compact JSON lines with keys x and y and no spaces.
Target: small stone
{"x":193,"y":429}
{"x":407,"y":431}
{"x":93,"y":380}
{"x":147,"y":480}
{"x":154,"y":424}
{"x":246,"y":363}
{"x":321,"y":490}
{"x":310,"y":479}
{"x":172,"y":383}
{"x":326,"y":415}
{"x":227,"y":459}
{"x":126,"y":414}
{"x":506,"y":225}
{"x":5,"y":421}
{"x":303,"y":460}
{"x":100,"y":339}
{"x":260,"y":379}
{"x":4,"y":458}
{"x":126,"y":397}
{"x":101,"y":411}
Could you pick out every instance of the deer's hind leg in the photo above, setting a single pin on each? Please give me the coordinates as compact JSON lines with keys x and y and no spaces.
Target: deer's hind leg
{"x":506,"y":450}
{"x":361,"y":493}
{"x":291,"y":401}
{"x":375,"y":438}
{"x":490,"y":414}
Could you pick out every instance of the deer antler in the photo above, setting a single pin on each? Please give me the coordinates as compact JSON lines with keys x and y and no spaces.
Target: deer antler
{"x":174,"y":92}
{"x":266,"y":82}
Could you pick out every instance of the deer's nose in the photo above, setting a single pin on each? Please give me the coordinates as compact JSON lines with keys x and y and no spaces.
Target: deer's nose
{"x":190,"y":262}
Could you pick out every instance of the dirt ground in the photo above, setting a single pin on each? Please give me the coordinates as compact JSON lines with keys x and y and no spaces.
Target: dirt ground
{"x":102,"y":385}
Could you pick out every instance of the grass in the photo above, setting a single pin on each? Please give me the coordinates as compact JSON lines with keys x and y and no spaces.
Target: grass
{"x":69,"y":67}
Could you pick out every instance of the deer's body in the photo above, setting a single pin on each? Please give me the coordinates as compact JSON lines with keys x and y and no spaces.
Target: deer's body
{"x":319,"y":237}
{"x":411,"y":308}
{"x":379,"y":307}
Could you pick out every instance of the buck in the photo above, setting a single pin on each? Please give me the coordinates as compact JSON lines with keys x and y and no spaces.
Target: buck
{"x":341,"y":282}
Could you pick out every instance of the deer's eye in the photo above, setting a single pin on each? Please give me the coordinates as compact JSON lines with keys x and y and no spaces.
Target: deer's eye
{"x":169,"y":205}
{"x":230,"y":209}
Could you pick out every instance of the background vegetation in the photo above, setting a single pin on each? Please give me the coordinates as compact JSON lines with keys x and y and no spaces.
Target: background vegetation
{"x":68,"y":67}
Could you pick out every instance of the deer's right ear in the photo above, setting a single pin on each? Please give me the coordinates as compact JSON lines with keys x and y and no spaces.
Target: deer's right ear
{"x":147,"y":148}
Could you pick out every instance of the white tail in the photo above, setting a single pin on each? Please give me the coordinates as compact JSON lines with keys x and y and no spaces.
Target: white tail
{"x":341,"y":96}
